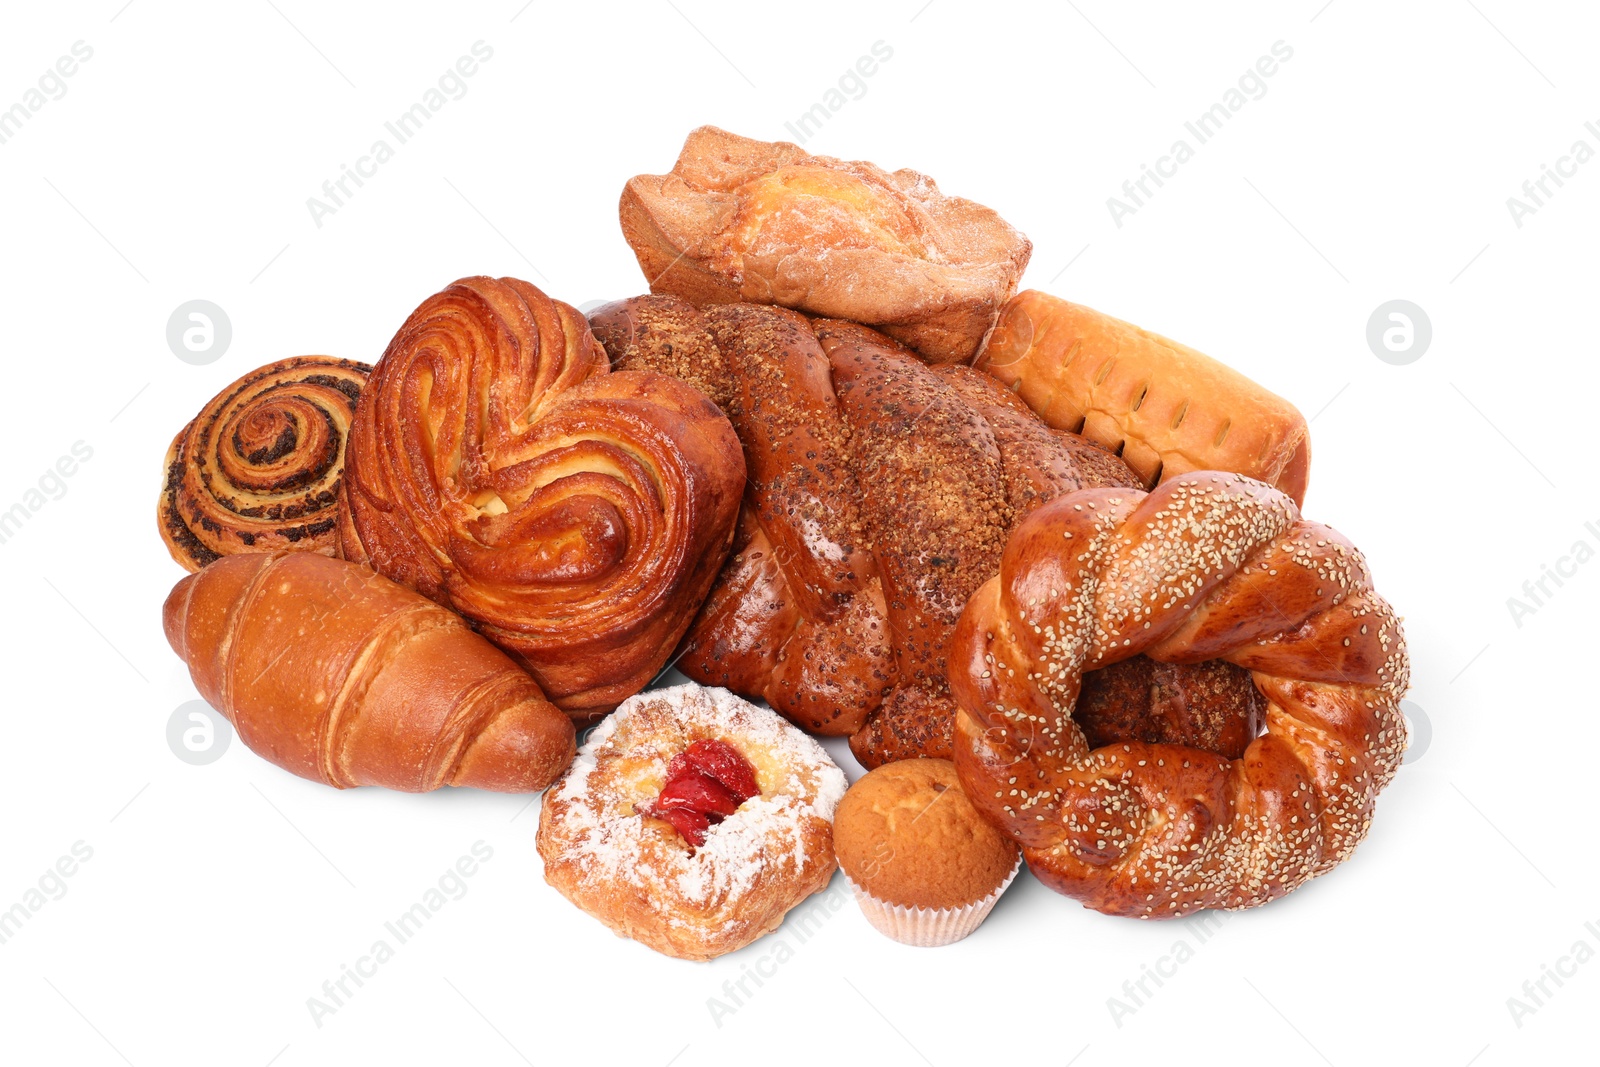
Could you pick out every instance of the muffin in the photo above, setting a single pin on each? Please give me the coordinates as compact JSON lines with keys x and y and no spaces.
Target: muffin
{"x":926,"y":868}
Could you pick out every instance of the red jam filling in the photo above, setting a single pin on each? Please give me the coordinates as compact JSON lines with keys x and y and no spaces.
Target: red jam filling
{"x":706,"y":783}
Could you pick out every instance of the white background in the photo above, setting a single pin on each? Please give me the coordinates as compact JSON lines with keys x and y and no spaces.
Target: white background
{"x":1377,"y":166}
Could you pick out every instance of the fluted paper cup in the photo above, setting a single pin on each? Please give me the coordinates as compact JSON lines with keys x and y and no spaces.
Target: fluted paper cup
{"x":928,"y":927}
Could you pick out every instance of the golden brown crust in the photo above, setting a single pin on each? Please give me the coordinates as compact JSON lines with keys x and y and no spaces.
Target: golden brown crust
{"x":909,"y":836}
{"x":798,"y":617}
{"x":1160,"y":405}
{"x":640,"y":877}
{"x":678,"y":342}
{"x":936,"y":515}
{"x":1209,"y":705}
{"x":257,"y":470}
{"x":576,"y":516}
{"x":1207,"y":566}
{"x":764,"y":222}
{"x":1039,"y":461}
{"x":880,"y":495}
{"x":339,"y":675}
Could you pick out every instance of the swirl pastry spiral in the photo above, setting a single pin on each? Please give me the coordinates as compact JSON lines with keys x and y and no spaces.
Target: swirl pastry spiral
{"x":576,"y":516}
{"x":257,"y":470}
{"x":1207,"y":566}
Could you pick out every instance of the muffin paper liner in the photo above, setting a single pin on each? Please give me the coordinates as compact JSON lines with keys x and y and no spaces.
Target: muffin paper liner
{"x":928,"y":927}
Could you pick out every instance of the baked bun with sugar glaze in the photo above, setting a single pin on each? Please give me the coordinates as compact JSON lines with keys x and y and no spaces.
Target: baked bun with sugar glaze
{"x":1208,"y":566}
{"x":880,"y":494}
{"x":576,"y":517}
{"x":1165,"y":408}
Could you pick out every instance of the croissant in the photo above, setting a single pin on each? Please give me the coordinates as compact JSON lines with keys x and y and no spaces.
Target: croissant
{"x":257,"y":470}
{"x":765,"y":222}
{"x":575,"y":516}
{"x":879,"y":498}
{"x":339,"y":675}
{"x":1207,"y":566}
{"x":1160,"y":405}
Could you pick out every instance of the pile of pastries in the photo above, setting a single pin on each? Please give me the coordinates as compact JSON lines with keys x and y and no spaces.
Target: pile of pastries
{"x":1045,"y":570}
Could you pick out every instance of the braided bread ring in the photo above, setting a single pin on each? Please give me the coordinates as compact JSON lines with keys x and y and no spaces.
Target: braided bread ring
{"x":257,"y":470}
{"x":1207,"y":566}
{"x":577,"y":517}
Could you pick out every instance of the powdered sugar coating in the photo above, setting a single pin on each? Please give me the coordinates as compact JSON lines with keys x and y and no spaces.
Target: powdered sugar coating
{"x":639,"y":876}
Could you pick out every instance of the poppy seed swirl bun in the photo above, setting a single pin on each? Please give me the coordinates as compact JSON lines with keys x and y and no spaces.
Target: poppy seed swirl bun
{"x":257,"y":470}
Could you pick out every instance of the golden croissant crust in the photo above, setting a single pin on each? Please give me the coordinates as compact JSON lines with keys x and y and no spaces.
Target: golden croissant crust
{"x":341,"y":676}
{"x":257,"y":470}
{"x":764,"y":222}
{"x":575,"y":516}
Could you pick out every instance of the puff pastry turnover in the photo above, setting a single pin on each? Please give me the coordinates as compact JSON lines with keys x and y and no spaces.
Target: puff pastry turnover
{"x":764,"y":222}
